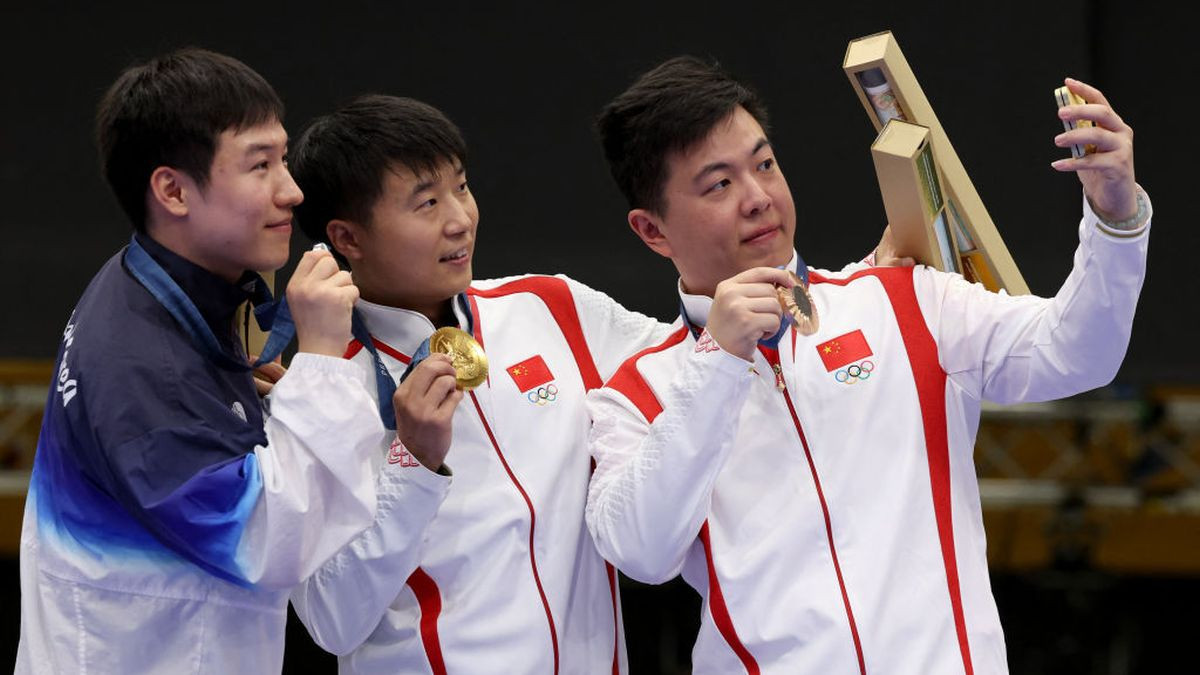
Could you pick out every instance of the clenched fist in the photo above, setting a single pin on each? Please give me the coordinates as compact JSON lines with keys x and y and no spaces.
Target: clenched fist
{"x":424,"y":403}
{"x":321,"y":298}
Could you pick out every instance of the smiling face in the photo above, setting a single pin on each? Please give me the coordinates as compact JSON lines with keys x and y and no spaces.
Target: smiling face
{"x":242,"y":218}
{"x":416,"y":251}
{"x":727,"y":207}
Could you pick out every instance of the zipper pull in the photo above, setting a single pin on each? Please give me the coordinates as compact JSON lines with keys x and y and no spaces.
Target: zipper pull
{"x":779,"y":383}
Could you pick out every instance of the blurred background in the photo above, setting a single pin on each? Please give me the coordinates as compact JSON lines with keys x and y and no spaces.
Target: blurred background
{"x":1092,"y":505}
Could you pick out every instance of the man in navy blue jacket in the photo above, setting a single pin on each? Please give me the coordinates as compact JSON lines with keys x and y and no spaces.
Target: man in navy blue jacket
{"x":168,"y":515}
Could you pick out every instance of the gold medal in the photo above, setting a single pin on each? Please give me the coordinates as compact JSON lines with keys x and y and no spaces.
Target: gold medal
{"x":798,"y":304}
{"x":470,"y":363}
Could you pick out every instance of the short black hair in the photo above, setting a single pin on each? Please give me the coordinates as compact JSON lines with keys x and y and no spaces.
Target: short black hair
{"x":667,"y":110}
{"x":341,"y":158}
{"x":169,"y":111}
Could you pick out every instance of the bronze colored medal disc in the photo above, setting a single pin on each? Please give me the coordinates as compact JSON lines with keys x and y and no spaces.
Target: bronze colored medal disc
{"x":470,"y":363}
{"x":798,"y":304}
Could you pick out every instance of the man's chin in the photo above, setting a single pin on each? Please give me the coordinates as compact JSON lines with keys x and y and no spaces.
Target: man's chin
{"x":464,"y":281}
{"x":271,"y":261}
{"x":774,"y":259}
{"x":269,"y":265}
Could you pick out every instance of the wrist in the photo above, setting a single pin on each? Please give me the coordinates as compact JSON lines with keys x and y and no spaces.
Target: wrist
{"x":1140,"y":217}
{"x":323,"y":347}
{"x":430,"y":460}
{"x":435,"y":465}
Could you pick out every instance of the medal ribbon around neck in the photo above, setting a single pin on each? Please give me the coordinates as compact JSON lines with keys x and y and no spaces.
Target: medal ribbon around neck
{"x":384,"y":384}
{"x":270,"y":314}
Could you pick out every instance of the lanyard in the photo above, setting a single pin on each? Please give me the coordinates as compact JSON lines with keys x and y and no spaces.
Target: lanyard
{"x":384,"y":384}
{"x":784,"y":321}
{"x":270,"y":314}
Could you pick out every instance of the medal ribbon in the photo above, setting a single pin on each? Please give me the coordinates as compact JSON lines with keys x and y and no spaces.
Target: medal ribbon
{"x":270,"y":314}
{"x":384,"y":384}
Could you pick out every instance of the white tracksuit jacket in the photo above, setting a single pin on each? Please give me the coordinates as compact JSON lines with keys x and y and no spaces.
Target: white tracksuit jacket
{"x":834,"y":526}
{"x":491,"y":569}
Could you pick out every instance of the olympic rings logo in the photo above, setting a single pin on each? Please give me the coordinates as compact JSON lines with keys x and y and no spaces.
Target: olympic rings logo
{"x":543,"y":395}
{"x":855,"y":373}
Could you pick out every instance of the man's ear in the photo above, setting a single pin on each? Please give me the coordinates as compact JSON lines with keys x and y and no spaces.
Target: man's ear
{"x":346,"y":238}
{"x":646,"y":225}
{"x":170,"y":189}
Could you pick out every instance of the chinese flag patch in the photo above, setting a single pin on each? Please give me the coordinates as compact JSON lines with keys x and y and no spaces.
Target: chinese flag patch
{"x":842,"y":350}
{"x":530,"y":373}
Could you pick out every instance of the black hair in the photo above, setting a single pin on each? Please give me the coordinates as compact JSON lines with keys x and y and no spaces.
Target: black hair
{"x":667,"y":110}
{"x":341,"y":159}
{"x":170,"y":111}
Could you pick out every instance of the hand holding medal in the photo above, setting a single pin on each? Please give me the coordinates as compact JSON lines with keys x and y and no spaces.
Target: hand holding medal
{"x":449,"y":363}
{"x":746,"y":309}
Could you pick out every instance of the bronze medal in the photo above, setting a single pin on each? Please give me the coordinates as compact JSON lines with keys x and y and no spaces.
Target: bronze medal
{"x":470,"y":363}
{"x":798,"y":304}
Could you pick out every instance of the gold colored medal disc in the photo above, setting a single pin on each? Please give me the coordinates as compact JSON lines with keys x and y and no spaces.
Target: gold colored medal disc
{"x":470,"y":363}
{"x":798,"y":304}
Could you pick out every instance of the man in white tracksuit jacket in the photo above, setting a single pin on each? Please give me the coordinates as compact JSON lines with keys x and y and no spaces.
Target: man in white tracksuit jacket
{"x":490,"y":569}
{"x":819,"y":490}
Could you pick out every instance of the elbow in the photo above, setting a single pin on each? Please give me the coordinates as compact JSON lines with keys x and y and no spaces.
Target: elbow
{"x":339,"y":645}
{"x":641,"y":559}
{"x":338,"y":635}
{"x":332,"y":641}
{"x":1102,"y":369}
{"x":1106,"y":376}
{"x":649,"y":570}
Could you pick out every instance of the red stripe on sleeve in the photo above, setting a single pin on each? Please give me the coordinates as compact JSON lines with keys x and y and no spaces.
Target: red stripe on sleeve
{"x":630,"y":382}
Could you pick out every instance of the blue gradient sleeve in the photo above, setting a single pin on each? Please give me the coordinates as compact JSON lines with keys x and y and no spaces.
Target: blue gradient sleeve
{"x":201,"y":516}
{"x":205,"y":517}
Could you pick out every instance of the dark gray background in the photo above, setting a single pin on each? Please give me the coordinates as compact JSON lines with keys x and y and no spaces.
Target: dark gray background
{"x":524,"y":82}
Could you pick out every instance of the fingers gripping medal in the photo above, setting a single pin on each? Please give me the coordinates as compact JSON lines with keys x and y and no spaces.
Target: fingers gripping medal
{"x":798,"y":304}
{"x":470,"y":363}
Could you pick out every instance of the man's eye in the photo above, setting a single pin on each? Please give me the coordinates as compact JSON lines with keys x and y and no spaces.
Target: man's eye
{"x":462,"y":187}
{"x":262,"y":165}
{"x":428,"y":203}
{"x":767,"y":164}
{"x":718,"y":186}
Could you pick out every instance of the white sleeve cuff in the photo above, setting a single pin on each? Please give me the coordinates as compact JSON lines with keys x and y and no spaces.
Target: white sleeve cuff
{"x":1093,"y":221}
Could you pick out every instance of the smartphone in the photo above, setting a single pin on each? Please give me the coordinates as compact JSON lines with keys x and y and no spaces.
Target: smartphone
{"x":1064,"y":97}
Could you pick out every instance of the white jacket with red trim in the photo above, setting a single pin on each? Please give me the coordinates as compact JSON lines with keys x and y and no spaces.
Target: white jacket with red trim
{"x":834,"y":526}
{"x":492,"y":569}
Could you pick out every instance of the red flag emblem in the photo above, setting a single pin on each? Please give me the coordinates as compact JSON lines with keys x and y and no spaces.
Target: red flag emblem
{"x":842,"y":350}
{"x":530,"y":373}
